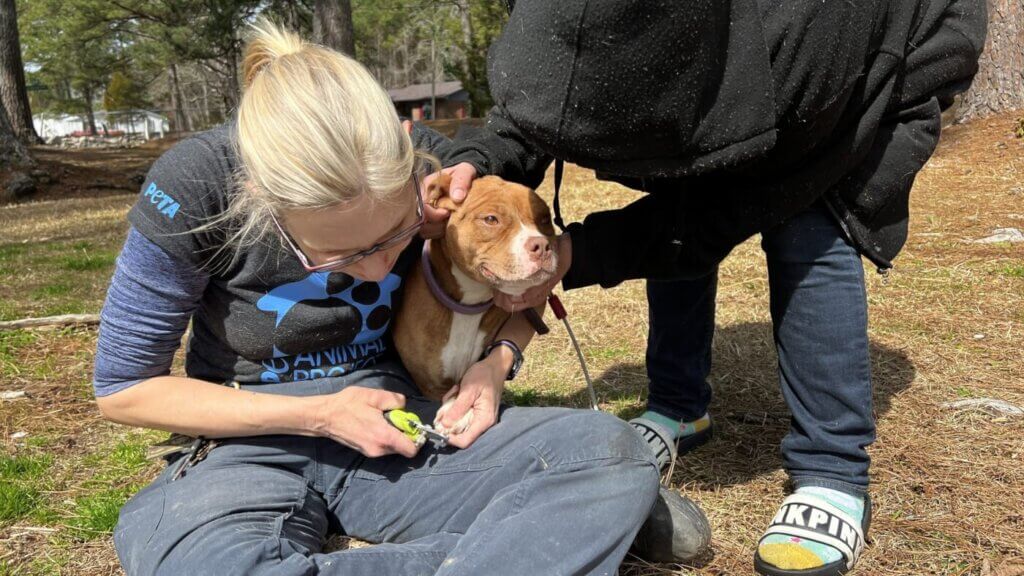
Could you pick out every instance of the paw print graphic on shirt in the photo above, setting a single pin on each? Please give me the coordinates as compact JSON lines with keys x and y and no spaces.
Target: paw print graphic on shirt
{"x":328,"y":309}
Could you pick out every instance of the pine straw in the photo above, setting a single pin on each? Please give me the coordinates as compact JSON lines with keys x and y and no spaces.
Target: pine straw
{"x":948,"y":487}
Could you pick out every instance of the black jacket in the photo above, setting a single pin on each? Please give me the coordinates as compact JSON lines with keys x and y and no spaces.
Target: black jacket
{"x":733,"y":114}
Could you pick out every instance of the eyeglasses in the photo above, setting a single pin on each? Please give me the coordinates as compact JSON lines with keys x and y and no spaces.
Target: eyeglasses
{"x":351,"y":259}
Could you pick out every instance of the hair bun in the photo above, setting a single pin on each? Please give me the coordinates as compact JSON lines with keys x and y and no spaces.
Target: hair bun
{"x":267,"y":43}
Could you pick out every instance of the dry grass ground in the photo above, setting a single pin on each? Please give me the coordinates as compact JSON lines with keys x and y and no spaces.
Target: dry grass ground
{"x":947,"y":323}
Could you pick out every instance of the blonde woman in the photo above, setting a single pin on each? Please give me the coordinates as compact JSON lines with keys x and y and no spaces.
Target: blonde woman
{"x":282,"y":237}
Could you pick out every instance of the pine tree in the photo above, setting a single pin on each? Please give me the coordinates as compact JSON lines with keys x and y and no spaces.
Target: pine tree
{"x":332,"y":25}
{"x":13,"y":152}
{"x":12,"y":75}
{"x":999,"y":84}
{"x":75,"y":57}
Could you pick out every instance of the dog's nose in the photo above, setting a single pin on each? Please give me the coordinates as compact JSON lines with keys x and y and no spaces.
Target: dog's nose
{"x":538,"y":248}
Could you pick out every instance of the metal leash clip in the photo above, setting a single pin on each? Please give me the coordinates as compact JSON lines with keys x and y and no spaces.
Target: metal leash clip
{"x":411,"y":425}
{"x":196,"y":452}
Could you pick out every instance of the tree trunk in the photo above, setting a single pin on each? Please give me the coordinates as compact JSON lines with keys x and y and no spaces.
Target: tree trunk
{"x":181,"y":121}
{"x":65,"y":89}
{"x":332,"y":25}
{"x":466,"y":19}
{"x":227,"y":103}
{"x":175,"y":116}
{"x":87,"y":97}
{"x":291,"y":16}
{"x":405,"y":58}
{"x":468,"y":45}
{"x":12,"y":75}
{"x":433,"y":73}
{"x":235,"y":86}
{"x":206,"y":102}
{"x":12,"y":150}
{"x":999,"y":85}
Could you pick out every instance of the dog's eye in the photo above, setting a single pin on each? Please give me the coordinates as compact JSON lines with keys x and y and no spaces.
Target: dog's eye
{"x":491,"y":219}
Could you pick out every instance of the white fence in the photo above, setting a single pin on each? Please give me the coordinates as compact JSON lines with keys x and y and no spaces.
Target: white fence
{"x":144,"y":122}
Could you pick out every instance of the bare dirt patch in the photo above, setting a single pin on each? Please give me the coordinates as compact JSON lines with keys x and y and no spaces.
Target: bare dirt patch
{"x":94,"y":172}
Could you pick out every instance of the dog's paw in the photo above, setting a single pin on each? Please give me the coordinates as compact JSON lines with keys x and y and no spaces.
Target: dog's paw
{"x":460,"y":426}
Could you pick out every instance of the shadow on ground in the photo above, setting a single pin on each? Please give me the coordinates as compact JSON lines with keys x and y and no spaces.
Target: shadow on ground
{"x":750,"y":415}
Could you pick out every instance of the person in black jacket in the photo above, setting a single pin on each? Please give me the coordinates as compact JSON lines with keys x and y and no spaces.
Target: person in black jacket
{"x":803,"y":121}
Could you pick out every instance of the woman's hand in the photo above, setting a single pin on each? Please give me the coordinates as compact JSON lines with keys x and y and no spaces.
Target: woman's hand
{"x":437,"y":218}
{"x":538,"y":295}
{"x":355,"y":417}
{"x":479,"y":393}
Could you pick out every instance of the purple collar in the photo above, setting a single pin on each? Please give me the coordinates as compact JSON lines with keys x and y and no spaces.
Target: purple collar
{"x":439,"y":293}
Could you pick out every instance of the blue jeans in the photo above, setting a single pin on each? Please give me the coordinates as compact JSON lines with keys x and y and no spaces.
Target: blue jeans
{"x":545,"y":491}
{"x":819,"y":314}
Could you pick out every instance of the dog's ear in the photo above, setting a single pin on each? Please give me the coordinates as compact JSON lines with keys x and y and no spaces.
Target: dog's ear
{"x":437,"y":193}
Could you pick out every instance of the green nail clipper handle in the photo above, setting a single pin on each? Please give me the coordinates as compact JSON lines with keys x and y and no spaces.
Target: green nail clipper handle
{"x":407,"y":422}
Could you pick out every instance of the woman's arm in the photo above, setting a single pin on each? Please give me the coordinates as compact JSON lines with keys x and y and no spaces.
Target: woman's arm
{"x":197,"y":408}
{"x":150,"y":301}
{"x":151,"y":298}
{"x":352,"y":417}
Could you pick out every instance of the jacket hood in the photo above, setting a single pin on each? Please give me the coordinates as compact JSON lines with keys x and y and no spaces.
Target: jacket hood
{"x":647,"y":88}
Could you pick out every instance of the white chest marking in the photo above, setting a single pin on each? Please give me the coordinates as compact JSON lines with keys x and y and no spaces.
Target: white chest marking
{"x":465,"y":338}
{"x":464,"y":346}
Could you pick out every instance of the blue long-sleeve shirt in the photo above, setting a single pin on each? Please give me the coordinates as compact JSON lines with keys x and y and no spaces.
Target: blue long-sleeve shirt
{"x":151,"y":299}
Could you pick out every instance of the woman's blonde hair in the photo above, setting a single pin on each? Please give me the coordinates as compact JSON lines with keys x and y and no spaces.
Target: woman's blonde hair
{"x":314,"y":130}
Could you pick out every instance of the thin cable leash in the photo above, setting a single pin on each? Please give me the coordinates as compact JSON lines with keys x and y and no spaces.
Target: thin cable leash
{"x":555,"y":303}
{"x":541,"y":328}
{"x":559,"y":311}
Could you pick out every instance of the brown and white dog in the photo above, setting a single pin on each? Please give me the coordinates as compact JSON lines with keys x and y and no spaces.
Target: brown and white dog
{"x":499,"y":238}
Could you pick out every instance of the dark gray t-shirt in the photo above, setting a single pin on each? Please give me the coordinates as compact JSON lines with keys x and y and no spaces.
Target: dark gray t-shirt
{"x":262,"y":318}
